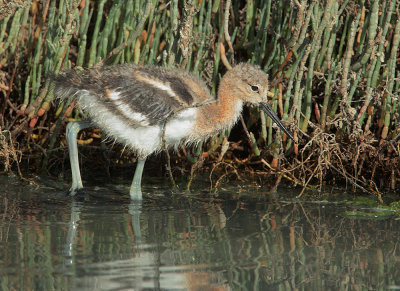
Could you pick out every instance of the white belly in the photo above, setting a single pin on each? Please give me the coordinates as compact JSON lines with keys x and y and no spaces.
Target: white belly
{"x":146,"y":139}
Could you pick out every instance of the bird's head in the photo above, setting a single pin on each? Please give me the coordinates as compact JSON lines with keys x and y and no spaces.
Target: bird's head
{"x":250,"y":84}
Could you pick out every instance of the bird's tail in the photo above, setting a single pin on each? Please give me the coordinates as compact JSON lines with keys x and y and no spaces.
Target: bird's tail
{"x":68,"y":83}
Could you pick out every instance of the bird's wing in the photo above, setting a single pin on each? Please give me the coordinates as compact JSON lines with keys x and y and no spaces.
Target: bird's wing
{"x":143,"y":96}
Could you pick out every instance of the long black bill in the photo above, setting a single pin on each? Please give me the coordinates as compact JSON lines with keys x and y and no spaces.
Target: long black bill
{"x":268,"y":110}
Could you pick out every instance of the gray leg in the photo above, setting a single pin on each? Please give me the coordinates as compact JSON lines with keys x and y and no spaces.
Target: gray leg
{"x":72,"y":131}
{"x":136,"y":188}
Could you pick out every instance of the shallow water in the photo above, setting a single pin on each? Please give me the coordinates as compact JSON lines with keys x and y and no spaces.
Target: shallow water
{"x":240,"y":239}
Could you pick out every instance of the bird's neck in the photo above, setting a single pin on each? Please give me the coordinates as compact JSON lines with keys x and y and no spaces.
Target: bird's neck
{"x":223,"y":114}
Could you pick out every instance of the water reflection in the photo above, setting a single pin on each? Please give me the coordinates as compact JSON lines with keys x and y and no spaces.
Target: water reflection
{"x":234,"y":241}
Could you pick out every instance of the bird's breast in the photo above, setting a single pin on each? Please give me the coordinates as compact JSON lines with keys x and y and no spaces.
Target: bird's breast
{"x":180,"y":127}
{"x":146,"y":140}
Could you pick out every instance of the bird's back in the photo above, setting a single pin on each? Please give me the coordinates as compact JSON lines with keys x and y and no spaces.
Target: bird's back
{"x":137,"y":106}
{"x":142,"y":95}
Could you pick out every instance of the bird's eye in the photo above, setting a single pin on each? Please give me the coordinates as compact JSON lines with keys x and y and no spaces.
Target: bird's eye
{"x":254,"y":88}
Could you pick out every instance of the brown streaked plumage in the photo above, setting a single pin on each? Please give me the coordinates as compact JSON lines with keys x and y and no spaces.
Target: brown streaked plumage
{"x":133,"y":104}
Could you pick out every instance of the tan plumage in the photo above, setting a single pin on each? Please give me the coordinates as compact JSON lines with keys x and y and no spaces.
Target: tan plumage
{"x":134,"y":104}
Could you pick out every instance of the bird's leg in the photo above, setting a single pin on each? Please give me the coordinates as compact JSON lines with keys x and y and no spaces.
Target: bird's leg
{"x":71,"y":134}
{"x":136,"y":189}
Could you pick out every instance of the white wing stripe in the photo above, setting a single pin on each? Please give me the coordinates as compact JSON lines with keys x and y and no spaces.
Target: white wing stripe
{"x":126,"y":110}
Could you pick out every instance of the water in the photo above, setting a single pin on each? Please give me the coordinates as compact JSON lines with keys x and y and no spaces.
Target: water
{"x":240,"y":239}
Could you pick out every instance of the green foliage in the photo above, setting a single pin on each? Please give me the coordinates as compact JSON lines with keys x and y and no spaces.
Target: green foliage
{"x":333,"y":67}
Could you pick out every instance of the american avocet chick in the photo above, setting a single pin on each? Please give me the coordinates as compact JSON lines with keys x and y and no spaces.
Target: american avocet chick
{"x":148,"y":108}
